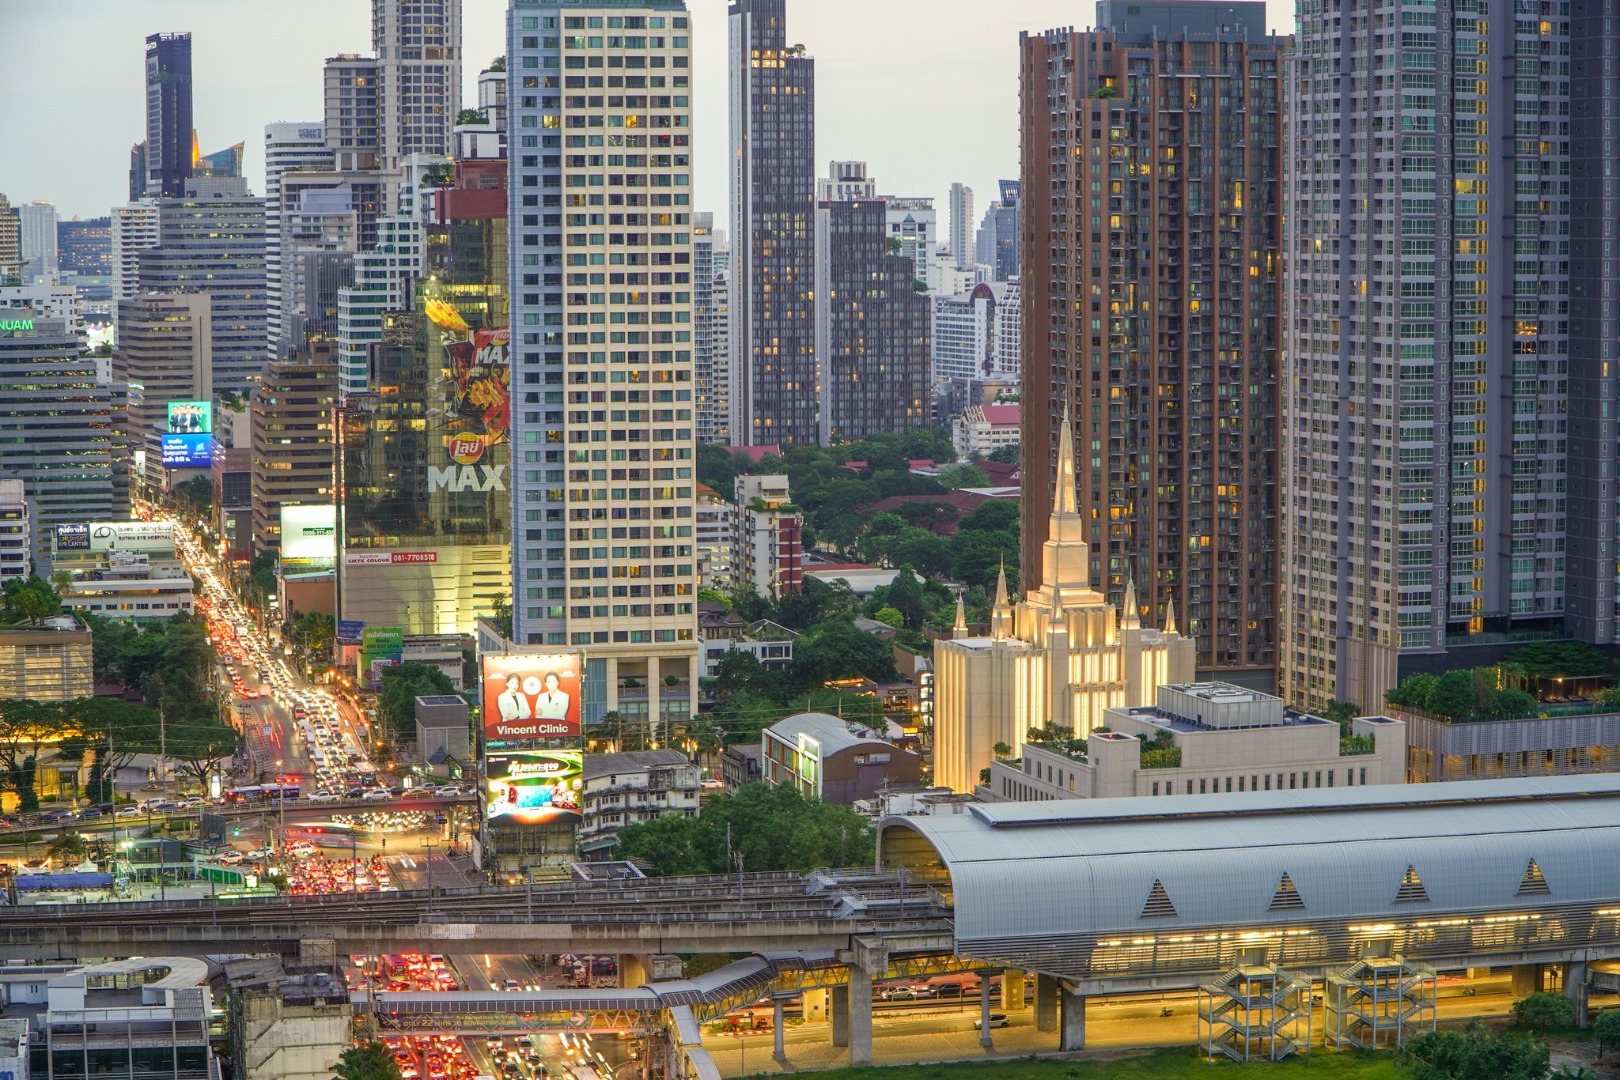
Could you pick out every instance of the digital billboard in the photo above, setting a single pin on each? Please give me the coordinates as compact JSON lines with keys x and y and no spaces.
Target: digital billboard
{"x":531,"y":696}
{"x":309,"y":534}
{"x":534,"y":787}
{"x":188,"y":451}
{"x":73,"y":537}
{"x":191,"y":417}
{"x":149,"y":536}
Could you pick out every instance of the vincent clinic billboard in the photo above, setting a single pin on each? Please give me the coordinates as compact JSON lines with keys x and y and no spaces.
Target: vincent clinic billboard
{"x":531,"y":696}
{"x":534,"y":787}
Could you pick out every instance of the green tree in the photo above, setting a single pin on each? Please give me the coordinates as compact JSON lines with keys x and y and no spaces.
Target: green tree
{"x":837,"y":650}
{"x":905,"y":595}
{"x":313,"y":633}
{"x":923,"y":551}
{"x":669,"y":845}
{"x":25,"y":727}
{"x":197,"y":495}
{"x":67,"y":849}
{"x":740,"y":672}
{"x":977,"y":557}
{"x":30,"y":599}
{"x":1511,"y":704}
{"x":890,"y":615}
{"x":1005,"y":455}
{"x":714,"y":596}
{"x":1414,"y":691}
{"x":1454,"y":697}
{"x":197,"y":745}
{"x":1476,"y":1053}
{"x":964,"y":476}
{"x":1543,"y":1012}
{"x":1607,"y":1029}
{"x":402,"y":684}
{"x":372,"y":1061}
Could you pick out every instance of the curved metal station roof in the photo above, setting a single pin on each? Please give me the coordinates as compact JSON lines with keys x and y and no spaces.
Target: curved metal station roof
{"x":1106,"y":866}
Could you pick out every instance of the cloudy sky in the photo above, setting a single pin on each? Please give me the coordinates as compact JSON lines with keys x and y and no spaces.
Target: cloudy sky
{"x":925,"y":91}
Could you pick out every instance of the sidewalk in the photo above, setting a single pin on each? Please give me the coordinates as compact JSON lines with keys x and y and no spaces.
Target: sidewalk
{"x":809,"y":1046}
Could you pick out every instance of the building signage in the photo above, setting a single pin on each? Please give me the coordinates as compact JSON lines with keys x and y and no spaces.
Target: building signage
{"x":467,"y":477}
{"x":534,"y":787}
{"x":73,"y":537}
{"x":191,"y":417}
{"x":16,"y":324}
{"x":348,"y":630}
{"x":151,"y":536}
{"x":309,"y":533}
{"x":531,"y":696}
{"x":406,"y":557}
{"x":389,"y":558}
{"x":380,"y":647}
{"x":188,"y":451}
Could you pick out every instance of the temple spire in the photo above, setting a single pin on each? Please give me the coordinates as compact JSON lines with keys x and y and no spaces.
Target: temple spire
{"x":960,"y":630}
{"x":1170,"y":615}
{"x":1128,"y":618}
{"x":1065,"y":494}
{"x":1001,"y":584}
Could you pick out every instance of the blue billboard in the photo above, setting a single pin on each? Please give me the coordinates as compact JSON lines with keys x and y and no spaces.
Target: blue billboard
{"x":188,"y":451}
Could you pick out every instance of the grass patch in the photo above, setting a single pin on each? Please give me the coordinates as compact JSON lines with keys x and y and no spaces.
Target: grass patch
{"x":1173,"y":1064}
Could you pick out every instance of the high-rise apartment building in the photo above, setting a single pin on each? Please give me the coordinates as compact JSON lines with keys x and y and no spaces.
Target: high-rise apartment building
{"x":872,"y":325}
{"x":11,"y":257}
{"x":37,"y":232}
{"x":417,"y":44}
{"x":212,"y":241}
{"x":61,"y":431}
{"x":84,"y":256}
{"x":1592,"y":574}
{"x":169,"y":123}
{"x":708,"y":365}
{"x":773,"y":184}
{"x":600,"y":216}
{"x":353,"y":110}
{"x":16,"y":534}
{"x":164,"y":353}
{"x":963,"y":238}
{"x":134,"y":229}
{"x":1152,"y":218}
{"x":291,"y":417}
{"x":288,"y":148}
{"x":1424,"y":402}
{"x":912,"y":222}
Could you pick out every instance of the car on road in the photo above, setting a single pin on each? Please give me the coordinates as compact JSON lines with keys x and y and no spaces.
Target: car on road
{"x":899,"y":993}
{"x":129,"y":811}
{"x":58,"y":815}
{"x":324,"y":796}
{"x":997,"y":1020}
{"x":377,"y":795}
{"x":100,"y":810}
{"x":232,"y":858}
{"x":193,"y":802}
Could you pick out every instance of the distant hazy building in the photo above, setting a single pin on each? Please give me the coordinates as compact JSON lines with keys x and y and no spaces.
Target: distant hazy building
{"x":417,"y":44}
{"x":912,"y":221}
{"x":212,"y":241}
{"x":169,"y":125}
{"x":984,"y":429}
{"x":773,"y":181}
{"x":37,"y":226}
{"x":964,"y":335}
{"x":61,"y":431}
{"x":164,"y":353}
{"x":714,"y":532}
{"x":292,"y":440}
{"x":996,"y":245}
{"x":352,"y":111}
{"x":288,"y":148}
{"x":871,"y":325}
{"x":962,"y":230}
{"x":84,"y":256}
{"x":710,"y":385}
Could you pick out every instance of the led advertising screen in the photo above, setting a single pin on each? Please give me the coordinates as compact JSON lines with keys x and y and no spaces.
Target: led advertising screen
{"x":188,"y":451}
{"x":309,"y":534}
{"x":531,"y":696}
{"x":534,"y":787}
{"x":191,"y":417}
{"x":155,"y":537}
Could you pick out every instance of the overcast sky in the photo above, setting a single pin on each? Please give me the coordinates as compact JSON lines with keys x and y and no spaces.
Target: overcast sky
{"x":925,"y":91}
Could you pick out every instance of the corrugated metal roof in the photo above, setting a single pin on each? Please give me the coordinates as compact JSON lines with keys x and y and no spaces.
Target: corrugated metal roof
{"x":1088,"y":866}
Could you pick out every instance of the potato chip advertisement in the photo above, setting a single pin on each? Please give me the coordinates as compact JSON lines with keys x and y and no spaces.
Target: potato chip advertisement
{"x":534,"y":787}
{"x":531,"y":696}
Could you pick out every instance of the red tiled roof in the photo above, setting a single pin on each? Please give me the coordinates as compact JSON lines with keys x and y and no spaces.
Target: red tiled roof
{"x":1002,"y":415}
{"x":756,"y":453}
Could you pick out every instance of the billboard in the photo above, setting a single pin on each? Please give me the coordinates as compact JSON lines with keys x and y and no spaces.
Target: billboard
{"x":188,"y":451}
{"x":309,"y":534}
{"x":191,"y":417}
{"x":73,"y":537}
{"x":531,"y":695}
{"x":389,"y":558}
{"x":149,"y":536}
{"x":534,"y":787}
{"x":380,"y":647}
{"x":348,"y":630}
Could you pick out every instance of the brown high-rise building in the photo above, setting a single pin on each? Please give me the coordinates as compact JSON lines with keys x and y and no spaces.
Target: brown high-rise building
{"x":292,"y":439}
{"x":1150,"y":232}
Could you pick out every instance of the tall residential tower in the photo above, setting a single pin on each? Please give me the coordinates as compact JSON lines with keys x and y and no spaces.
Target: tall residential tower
{"x":1151,"y":231}
{"x":600,"y":223}
{"x":773,"y":187}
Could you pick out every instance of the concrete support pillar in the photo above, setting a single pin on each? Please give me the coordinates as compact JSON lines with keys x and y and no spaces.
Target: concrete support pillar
{"x":860,"y":1017}
{"x":840,"y":1016}
{"x":635,"y":969}
{"x":815,"y":1006}
{"x":1527,"y":979}
{"x":778,"y":1051}
{"x":1575,"y":988}
{"x":1046,"y":1003}
{"x":1012,"y":990}
{"x":1073,"y":1036}
{"x":984,"y":1013}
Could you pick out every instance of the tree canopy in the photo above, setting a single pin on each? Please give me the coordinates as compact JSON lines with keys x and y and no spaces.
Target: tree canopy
{"x":770,"y":828}
{"x":402,"y":684}
{"x":1476,"y":1053}
{"x":1462,"y":695}
{"x":30,"y":599}
{"x":372,"y":1061}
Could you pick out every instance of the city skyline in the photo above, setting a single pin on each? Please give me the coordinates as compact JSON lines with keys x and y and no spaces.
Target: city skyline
{"x":955,"y":86}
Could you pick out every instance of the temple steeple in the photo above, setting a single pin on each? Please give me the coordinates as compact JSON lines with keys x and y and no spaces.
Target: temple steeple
{"x":1170,"y":615}
{"x":960,"y":630}
{"x":1001,"y":614}
{"x":1066,"y":557}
